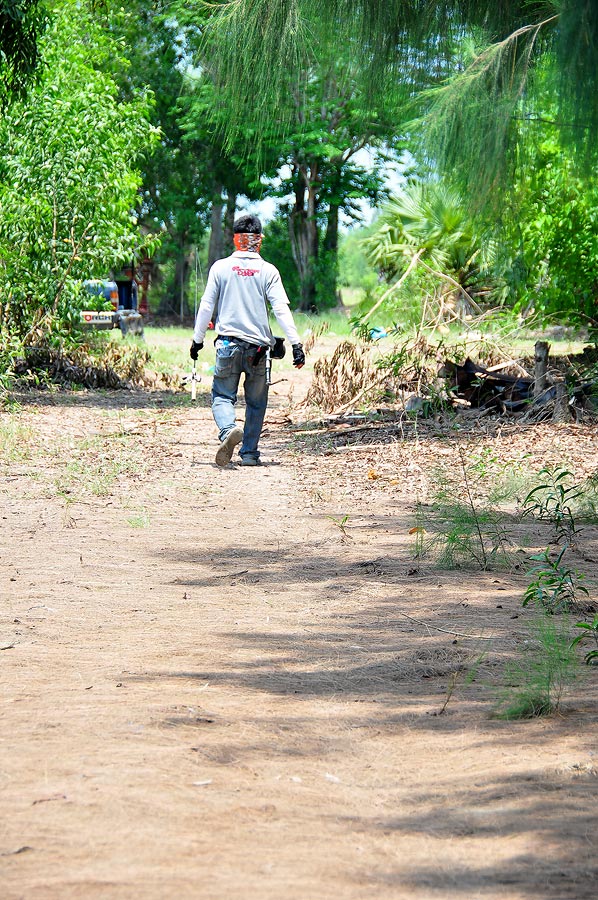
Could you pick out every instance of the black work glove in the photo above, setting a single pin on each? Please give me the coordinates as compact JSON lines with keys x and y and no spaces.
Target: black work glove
{"x":195,"y":348}
{"x":278,"y":350}
{"x":298,"y":356}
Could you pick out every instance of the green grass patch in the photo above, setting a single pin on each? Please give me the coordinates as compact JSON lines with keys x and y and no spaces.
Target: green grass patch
{"x":140,"y":520}
{"x":547,"y":665}
{"x":94,"y":465}
{"x":17,"y":441}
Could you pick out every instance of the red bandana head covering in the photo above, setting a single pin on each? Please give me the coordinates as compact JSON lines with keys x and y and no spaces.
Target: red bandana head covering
{"x":251,"y":242}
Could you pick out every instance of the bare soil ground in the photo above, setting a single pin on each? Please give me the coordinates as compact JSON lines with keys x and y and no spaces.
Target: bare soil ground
{"x":217,"y":684}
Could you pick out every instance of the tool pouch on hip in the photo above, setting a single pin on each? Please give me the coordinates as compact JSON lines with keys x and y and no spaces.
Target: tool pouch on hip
{"x":279,"y":349}
{"x":260,"y":353}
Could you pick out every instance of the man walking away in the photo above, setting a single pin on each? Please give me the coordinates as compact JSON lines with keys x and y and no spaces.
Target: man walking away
{"x":238,"y":290}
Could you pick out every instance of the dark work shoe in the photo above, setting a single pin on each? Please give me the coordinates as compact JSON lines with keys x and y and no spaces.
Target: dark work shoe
{"x":226,"y":448}
{"x":250,"y":461}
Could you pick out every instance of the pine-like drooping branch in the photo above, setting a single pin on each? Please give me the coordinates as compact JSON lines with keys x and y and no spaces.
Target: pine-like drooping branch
{"x":254,"y":51}
{"x":577,"y":53}
{"x":260,"y":52}
{"x":468,"y":128}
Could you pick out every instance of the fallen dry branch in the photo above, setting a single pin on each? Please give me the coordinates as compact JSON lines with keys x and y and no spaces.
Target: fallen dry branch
{"x":477,"y":637}
{"x":365,"y":390}
{"x":395,"y":287}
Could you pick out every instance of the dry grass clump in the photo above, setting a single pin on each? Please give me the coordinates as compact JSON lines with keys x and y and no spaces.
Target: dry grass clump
{"x":340,"y":378}
{"x":434,"y":663}
{"x":360,"y":373}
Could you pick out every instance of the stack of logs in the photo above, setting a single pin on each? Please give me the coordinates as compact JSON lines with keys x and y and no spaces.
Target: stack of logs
{"x":539,"y":397}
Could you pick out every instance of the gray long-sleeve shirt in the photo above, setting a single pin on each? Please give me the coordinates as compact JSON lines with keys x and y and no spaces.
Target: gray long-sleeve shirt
{"x":238,"y":288}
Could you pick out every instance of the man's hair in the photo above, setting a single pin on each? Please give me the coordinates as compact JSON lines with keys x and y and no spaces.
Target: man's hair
{"x":247,"y":225}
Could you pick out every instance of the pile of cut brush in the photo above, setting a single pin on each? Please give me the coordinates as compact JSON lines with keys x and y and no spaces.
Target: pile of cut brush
{"x":419,"y":377}
{"x":343,"y":379}
{"x":116,"y":368}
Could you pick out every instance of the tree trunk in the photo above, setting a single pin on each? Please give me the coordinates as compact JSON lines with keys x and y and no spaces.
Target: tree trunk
{"x":147,"y":273}
{"x":562,"y":412}
{"x":229,"y":220}
{"x":216,"y":247}
{"x":181,"y":283}
{"x":303,"y":233}
{"x":170,"y":293}
{"x":331,"y":236}
{"x":331,"y":251}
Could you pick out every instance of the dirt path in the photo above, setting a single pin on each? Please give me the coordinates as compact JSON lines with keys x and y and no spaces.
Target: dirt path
{"x":210,"y":688}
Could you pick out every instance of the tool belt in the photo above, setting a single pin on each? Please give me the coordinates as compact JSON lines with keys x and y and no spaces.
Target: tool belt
{"x":276,"y":352}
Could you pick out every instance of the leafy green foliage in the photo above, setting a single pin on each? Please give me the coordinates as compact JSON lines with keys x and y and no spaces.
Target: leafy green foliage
{"x":176,"y":189}
{"x":355,"y":271}
{"x":21,"y":25}
{"x":330,"y":121}
{"x":68,"y":181}
{"x":307,"y":150}
{"x":266,"y":45}
{"x":550,"y":234}
{"x":555,"y":587}
{"x":565,"y":503}
{"x":562,"y":501}
{"x":431,"y":219}
{"x":276,"y":249}
{"x":590,"y":633}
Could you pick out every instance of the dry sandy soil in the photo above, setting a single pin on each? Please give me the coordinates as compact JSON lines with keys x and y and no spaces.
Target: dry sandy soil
{"x":228,"y":684}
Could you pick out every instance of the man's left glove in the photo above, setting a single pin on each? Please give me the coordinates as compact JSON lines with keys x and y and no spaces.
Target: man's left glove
{"x":195,"y":348}
{"x":298,"y":356}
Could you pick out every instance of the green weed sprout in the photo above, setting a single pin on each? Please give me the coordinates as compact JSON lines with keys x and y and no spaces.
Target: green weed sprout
{"x":535,"y":684}
{"x":555,"y":586}
{"x":555,"y":500}
{"x":590,"y":633}
{"x":341,"y":524}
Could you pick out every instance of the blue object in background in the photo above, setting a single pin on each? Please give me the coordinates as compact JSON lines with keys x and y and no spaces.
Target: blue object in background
{"x":377,"y":333}
{"x":107,"y":290}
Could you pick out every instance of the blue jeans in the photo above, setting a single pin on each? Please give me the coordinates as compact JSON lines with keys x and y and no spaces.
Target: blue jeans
{"x":233,"y":359}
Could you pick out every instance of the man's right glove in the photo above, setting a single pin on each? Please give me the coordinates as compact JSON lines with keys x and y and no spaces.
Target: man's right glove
{"x":298,"y":356}
{"x":195,"y":348}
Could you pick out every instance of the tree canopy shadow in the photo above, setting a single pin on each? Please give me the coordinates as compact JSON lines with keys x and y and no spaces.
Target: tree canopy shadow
{"x":554,"y":811}
{"x":111,"y":399}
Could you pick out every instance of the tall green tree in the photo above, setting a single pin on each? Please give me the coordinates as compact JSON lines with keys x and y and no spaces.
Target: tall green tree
{"x":333,"y":122}
{"x":175,"y":201}
{"x":200,"y":169}
{"x":229,"y":171}
{"x":69,"y":179}
{"x":193,"y":180}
